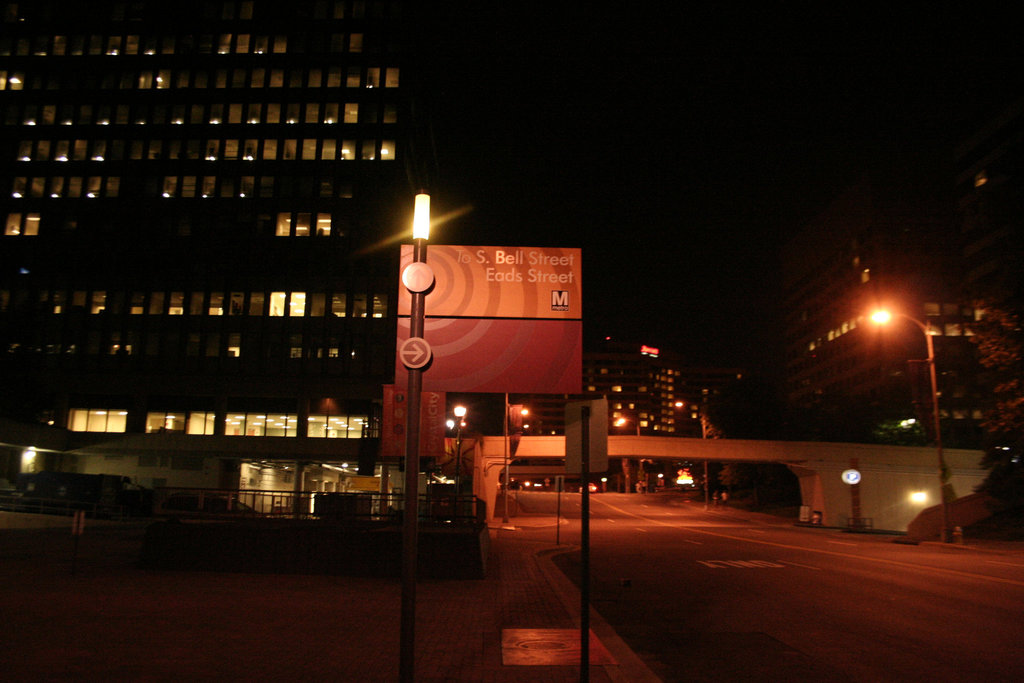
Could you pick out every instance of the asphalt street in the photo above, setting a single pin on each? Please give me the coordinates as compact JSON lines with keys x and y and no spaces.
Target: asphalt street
{"x":723,"y":594}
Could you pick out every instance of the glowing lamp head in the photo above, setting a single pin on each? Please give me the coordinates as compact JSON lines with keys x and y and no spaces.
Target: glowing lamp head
{"x":460,"y":411}
{"x":881,"y":317}
{"x":421,"y":217}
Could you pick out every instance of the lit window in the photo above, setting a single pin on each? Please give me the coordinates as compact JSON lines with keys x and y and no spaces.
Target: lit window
{"x":351,"y":112}
{"x":302,"y":226}
{"x":284,"y":225}
{"x":338,"y":305}
{"x":201,"y":422}
{"x":380,"y":305}
{"x":323,"y":224}
{"x":277,"y":302}
{"x":387,"y":150}
{"x":164,"y":422}
{"x":391,"y":78}
{"x":216,"y":306}
{"x":297,"y":305}
{"x":97,"y":420}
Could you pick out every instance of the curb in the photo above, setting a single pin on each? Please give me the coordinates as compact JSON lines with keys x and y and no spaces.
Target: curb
{"x":629,"y":668}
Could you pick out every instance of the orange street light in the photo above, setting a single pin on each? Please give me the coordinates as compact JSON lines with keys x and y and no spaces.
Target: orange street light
{"x":881,"y":318}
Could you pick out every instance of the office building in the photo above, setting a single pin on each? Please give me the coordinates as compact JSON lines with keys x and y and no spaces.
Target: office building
{"x":201,"y":204}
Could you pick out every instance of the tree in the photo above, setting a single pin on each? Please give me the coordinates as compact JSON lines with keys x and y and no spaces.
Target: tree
{"x":999,"y":338}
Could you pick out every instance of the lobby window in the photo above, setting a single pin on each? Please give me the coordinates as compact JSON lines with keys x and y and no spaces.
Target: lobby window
{"x":157,"y":422}
{"x":97,"y":420}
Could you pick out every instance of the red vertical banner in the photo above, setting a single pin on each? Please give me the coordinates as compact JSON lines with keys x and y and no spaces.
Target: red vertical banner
{"x":396,"y":416}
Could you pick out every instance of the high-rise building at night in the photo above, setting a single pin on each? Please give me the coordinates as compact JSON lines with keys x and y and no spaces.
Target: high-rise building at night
{"x":650,"y":392}
{"x":876,"y":246}
{"x":201,"y":204}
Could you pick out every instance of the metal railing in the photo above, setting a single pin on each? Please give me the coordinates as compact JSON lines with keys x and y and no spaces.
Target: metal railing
{"x":345,"y":507}
{"x":60,"y":506}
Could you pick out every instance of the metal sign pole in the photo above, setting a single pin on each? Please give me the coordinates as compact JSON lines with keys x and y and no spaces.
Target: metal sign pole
{"x":585,"y":549}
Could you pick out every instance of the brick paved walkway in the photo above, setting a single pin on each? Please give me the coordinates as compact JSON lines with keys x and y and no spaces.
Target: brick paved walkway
{"x":110,"y":621}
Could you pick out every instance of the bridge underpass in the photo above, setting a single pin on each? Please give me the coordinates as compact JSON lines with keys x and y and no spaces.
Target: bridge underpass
{"x":897,"y":482}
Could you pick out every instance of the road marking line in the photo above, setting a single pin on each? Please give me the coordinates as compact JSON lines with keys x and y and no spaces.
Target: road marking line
{"x":1008,"y":564}
{"x":842,"y":543}
{"x":797,"y":564}
{"x":865,"y":558}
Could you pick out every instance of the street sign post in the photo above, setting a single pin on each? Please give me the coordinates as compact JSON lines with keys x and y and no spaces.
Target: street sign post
{"x":597,"y":436}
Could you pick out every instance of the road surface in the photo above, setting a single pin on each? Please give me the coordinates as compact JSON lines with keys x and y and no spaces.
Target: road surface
{"x":725,"y":595}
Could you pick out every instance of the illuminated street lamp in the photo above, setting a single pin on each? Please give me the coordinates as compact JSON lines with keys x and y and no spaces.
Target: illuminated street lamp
{"x":460,"y":422}
{"x":883,"y":317}
{"x":417,"y":278}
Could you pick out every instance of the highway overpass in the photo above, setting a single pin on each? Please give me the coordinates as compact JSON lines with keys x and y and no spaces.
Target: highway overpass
{"x":897,"y":482}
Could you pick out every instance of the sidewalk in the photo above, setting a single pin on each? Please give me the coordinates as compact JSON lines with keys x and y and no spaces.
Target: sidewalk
{"x":110,"y":621}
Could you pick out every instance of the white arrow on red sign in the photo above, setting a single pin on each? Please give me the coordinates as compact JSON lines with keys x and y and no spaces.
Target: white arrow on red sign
{"x":414,"y":352}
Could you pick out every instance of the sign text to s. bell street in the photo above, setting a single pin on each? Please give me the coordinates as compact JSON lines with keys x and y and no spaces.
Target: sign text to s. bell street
{"x":532,"y":283}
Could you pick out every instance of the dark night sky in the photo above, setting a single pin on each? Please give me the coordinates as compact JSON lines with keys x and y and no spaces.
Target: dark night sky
{"x":676,"y":147}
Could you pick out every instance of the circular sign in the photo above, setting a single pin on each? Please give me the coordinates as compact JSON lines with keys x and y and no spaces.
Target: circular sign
{"x":414,"y":352}
{"x":851,"y":476}
{"x":417,"y":277}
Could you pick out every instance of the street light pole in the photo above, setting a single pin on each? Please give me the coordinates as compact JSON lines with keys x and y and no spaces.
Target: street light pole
{"x":883,"y":317}
{"x":460,"y":415}
{"x":410,"y":515}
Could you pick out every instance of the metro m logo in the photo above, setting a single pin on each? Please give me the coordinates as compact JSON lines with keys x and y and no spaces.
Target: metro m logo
{"x":559,"y":300}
